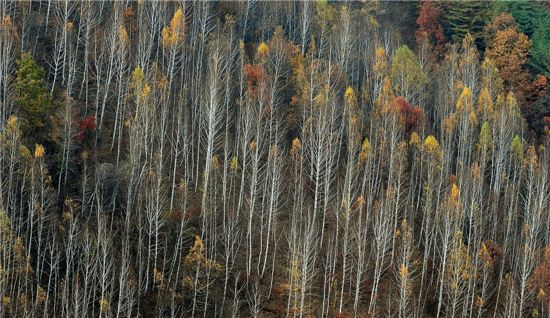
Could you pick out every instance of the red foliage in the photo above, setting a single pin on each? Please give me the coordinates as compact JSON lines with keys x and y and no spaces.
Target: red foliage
{"x":413,"y":115}
{"x":254,"y":74}
{"x":429,"y":26}
{"x":84,"y":126}
{"x":87,"y":123}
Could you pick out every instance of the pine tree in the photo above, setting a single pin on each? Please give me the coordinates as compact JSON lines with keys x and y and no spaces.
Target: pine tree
{"x":33,"y":99}
{"x":461,"y":18}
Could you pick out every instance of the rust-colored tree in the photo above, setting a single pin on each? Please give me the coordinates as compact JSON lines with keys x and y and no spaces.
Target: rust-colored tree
{"x":412,"y":115}
{"x":541,"y":277}
{"x":509,"y":49}
{"x":254,"y":75}
{"x":429,"y":29}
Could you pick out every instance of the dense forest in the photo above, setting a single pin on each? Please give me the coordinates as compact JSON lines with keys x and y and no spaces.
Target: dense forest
{"x":274,"y":159}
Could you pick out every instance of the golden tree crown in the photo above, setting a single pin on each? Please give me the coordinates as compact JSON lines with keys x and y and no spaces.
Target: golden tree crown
{"x":431,"y":144}
{"x":263,"y":49}
{"x":39,"y":151}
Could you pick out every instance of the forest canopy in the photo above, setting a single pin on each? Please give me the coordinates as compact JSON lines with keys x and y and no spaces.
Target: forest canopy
{"x":274,"y":159}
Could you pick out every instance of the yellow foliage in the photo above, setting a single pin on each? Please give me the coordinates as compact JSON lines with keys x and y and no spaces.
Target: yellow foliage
{"x":386,"y":96}
{"x":173,"y":33}
{"x":365,"y":149}
{"x":455,"y":193}
{"x":403,"y":271}
{"x":138,"y":77}
{"x":103,"y":305}
{"x":381,"y":62}
{"x":460,"y":266}
{"x":177,"y":19}
{"x":485,"y":138}
{"x":541,"y":294}
{"x":380,"y":53}
{"x":139,"y":84}
{"x":415,"y":139}
{"x":263,"y":49}
{"x":512,"y":102}
{"x":6,"y":301}
{"x":516,"y":148}
{"x":70,"y":25}
{"x":6,"y":21}
{"x":459,"y":86}
{"x":145,"y":91}
{"x":295,"y":149}
{"x":215,"y":162}
{"x":169,"y":37}
{"x":464,"y":100}
{"x":473,"y":118}
{"x":431,"y":144}
{"x":485,"y":256}
{"x":485,"y":102}
{"x":234,"y":163}
{"x":196,"y":253}
{"x":39,"y":151}
{"x":12,"y":122}
{"x":349,"y":96}
{"x":25,"y":152}
{"x":122,"y":35}
{"x":196,"y":256}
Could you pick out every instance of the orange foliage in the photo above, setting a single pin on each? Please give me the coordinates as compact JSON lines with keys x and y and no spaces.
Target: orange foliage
{"x":453,"y":179}
{"x":254,"y":75}
{"x":128,"y":13}
{"x":509,"y":50}
{"x":501,"y":22}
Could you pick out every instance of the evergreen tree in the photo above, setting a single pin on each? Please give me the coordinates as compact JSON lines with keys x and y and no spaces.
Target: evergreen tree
{"x":540,"y":52}
{"x":533,"y":19}
{"x":460,"y":18}
{"x":33,"y":98}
